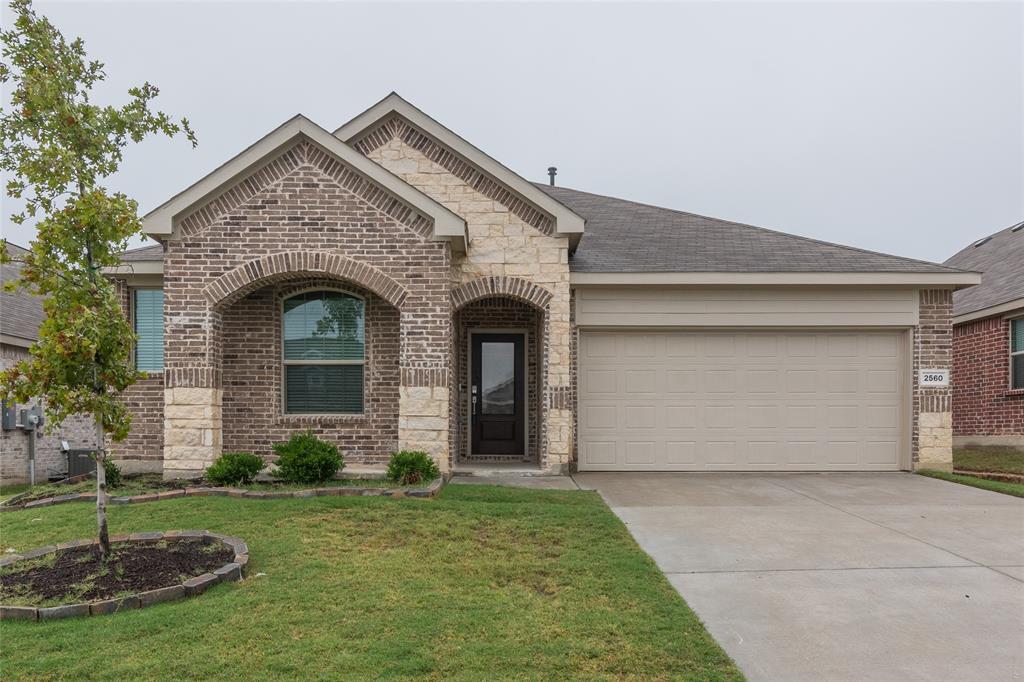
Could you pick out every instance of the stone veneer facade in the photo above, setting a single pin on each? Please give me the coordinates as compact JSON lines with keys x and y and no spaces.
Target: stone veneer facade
{"x":510,"y":240}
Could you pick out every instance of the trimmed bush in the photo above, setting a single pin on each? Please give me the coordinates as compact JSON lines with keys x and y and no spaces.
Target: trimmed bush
{"x":410,"y":466}
{"x":113,"y":473}
{"x":306,"y":459}
{"x":233,"y":468}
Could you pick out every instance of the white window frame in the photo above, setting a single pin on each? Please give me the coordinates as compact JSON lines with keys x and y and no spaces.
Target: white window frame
{"x":285,"y":362}
{"x":1013,"y":354}
{"x":133,"y":291}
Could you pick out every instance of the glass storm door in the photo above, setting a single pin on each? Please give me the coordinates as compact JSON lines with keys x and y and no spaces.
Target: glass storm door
{"x":497,"y":396}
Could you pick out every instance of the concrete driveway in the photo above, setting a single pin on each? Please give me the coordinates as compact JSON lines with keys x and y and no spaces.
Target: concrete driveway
{"x":838,"y":576}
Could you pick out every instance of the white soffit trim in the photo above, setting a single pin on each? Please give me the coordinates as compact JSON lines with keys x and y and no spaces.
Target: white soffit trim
{"x":957,"y":280}
{"x":566,"y":222}
{"x":1001,"y":309}
{"x":162,"y":221}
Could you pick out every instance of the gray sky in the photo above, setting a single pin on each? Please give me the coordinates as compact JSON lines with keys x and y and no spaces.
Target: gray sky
{"x":895,"y":127}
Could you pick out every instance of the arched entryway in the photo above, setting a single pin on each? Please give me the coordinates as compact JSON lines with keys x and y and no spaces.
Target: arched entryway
{"x":499,"y":345}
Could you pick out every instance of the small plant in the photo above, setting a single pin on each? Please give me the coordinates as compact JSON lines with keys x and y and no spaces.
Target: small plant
{"x":233,"y":468}
{"x":411,"y":466}
{"x":307,"y":459}
{"x":113,"y":473}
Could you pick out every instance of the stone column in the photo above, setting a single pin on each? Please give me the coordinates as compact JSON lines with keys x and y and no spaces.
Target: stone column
{"x":193,"y":399}
{"x":558,"y":382}
{"x":424,"y":397}
{"x":933,"y":406}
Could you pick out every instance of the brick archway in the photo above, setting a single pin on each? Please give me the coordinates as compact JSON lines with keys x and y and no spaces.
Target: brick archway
{"x":292,"y":265}
{"x":501,"y":286}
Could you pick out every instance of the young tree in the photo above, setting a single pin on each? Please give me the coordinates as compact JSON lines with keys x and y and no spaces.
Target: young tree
{"x":57,"y":147}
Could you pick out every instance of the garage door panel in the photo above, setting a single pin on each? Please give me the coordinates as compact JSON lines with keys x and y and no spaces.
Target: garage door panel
{"x":741,"y":401}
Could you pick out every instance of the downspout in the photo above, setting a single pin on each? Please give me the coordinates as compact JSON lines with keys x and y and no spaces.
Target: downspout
{"x":31,"y":435}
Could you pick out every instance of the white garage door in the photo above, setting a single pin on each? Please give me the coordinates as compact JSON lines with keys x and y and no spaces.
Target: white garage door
{"x":741,"y":401}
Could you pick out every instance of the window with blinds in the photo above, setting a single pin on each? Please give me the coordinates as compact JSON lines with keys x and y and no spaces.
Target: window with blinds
{"x":148,"y":317}
{"x":324,"y":353}
{"x":1017,"y":353}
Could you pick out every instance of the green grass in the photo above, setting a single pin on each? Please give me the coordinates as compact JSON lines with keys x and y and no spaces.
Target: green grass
{"x":153,"y":483}
{"x":1015,"y":489}
{"x":991,"y":459}
{"x":12,"y":490}
{"x":481,"y":583}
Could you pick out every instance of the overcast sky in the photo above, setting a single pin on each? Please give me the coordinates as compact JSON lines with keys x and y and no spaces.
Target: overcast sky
{"x":897,"y":127}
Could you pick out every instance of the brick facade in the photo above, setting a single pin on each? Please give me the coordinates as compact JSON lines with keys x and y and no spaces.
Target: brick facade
{"x":303,"y":220}
{"x":984,"y":407}
{"x":219,"y":270}
{"x":253,"y":413}
{"x":78,"y":431}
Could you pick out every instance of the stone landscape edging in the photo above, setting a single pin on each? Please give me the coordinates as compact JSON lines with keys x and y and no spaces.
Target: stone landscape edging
{"x":202,"y":491}
{"x":229,"y":572}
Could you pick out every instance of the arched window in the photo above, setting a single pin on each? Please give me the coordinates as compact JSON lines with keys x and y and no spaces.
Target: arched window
{"x":324,"y":353}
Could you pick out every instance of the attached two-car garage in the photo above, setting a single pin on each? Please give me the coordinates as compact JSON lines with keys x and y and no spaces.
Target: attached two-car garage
{"x":741,"y":400}
{"x":820,"y":381}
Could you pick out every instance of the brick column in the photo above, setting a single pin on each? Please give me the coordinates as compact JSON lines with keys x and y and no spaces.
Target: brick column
{"x":424,"y":396}
{"x":933,"y":414}
{"x":193,"y":398}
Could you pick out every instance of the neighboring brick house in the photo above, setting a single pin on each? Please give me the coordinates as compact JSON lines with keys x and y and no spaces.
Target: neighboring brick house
{"x":988,"y":342}
{"x":20,"y":317}
{"x":390,"y":286}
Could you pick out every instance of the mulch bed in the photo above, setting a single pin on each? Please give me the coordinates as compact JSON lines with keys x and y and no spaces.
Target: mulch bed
{"x":132,"y":568}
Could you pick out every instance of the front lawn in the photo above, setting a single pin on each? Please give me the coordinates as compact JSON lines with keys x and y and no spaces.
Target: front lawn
{"x":1016,"y":489}
{"x":143,"y":484}
{"x":480,"y":583}
{"x":989,"y":459}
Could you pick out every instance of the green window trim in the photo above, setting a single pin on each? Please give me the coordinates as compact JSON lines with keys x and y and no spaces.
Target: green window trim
{"x":323,"y":353}
{"x":148,"y":323}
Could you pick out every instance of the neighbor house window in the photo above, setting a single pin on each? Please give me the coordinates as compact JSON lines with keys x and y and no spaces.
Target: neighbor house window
{"x":148,"y":318}
{"x":324,"y":353}
{"x":1017,"y":353}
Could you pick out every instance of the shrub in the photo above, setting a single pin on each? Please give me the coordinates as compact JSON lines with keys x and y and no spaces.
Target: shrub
{"x":306,"y":459}
{"x":411,"y":466}
{"x":233,"y":468}
{"x":113,"y":473}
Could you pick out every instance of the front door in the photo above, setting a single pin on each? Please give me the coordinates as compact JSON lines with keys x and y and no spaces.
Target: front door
{"x":497,"y":395}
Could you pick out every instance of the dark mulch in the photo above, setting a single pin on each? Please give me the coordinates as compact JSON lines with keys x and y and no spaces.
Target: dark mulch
{"x":79,"y":575}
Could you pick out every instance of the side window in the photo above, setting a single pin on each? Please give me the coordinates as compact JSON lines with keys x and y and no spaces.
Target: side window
{"x":1017,"y":353}
{"x":324,"y":353}
{"x":148,"y":319}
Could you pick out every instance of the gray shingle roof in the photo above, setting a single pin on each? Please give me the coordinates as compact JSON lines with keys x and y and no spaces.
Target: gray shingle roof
{"x":1001,"y":262}
{"x":153,"y":252}
{"x":20,"y":312}
{"x":625,"y":236}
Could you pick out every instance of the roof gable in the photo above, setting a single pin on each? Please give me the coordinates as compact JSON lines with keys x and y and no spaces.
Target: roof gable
{"x":165,"y":221}
{"x":367,"y":130}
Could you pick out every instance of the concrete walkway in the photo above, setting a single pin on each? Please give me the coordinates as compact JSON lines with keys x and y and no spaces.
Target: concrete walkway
{"x":838,"y":576}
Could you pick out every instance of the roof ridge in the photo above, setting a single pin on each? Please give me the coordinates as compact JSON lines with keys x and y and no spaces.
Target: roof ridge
{"x":762,"y":229}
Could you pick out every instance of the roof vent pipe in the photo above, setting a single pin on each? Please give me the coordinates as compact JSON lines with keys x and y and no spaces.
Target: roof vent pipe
{"x":552,"y":172}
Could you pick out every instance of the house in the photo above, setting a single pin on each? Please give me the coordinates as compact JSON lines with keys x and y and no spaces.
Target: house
{"x":390,"y":286}
{"x":27,"y":453}
{"x":988,"y":343}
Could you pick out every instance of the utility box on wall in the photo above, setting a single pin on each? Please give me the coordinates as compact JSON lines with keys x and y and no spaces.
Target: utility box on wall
{"x":10,"y":416}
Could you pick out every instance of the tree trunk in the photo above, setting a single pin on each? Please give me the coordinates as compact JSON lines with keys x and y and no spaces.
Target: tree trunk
{"x":101,"y":491}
